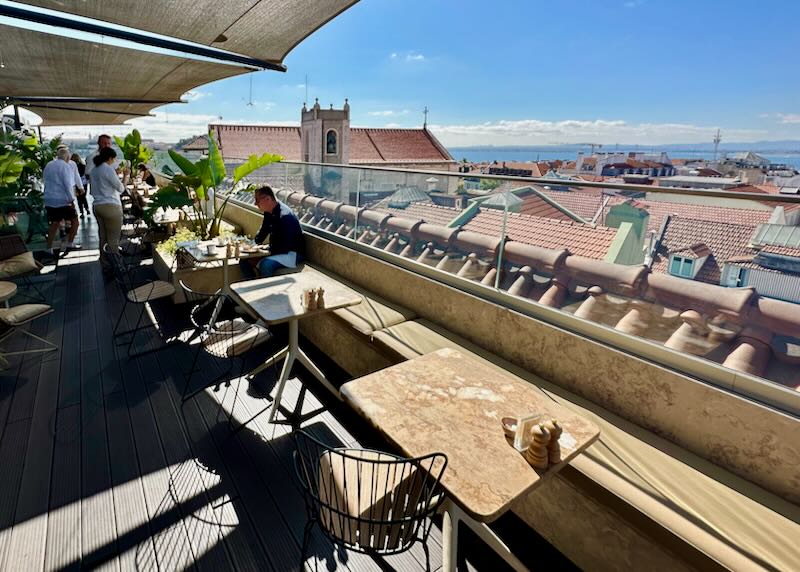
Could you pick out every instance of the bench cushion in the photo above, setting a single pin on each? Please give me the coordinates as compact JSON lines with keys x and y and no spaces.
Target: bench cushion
{"x":724,"y":516}
{"x":18,"y":265}
{"x":22,"y":314}
{"x":373,"y":313}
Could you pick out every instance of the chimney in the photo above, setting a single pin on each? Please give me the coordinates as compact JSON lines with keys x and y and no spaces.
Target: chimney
{"x":579,"y":161}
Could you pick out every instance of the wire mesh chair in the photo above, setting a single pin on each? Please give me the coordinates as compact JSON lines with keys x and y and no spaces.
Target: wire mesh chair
{"x":136,"y":293}
{"x":227,"y":341}
{"x":368,"y":501}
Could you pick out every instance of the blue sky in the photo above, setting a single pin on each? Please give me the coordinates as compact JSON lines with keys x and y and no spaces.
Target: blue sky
{"x":514,"y":72}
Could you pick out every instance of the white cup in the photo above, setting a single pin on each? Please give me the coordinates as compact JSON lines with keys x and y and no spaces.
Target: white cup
{"x":220,"y":241}
{"x":211,"y":249}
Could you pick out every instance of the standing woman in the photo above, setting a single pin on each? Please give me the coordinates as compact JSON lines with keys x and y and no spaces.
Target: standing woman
{"x":106,"y":188}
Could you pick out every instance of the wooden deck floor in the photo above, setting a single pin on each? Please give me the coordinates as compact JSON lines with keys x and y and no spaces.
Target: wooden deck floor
{"x":101,"y":466}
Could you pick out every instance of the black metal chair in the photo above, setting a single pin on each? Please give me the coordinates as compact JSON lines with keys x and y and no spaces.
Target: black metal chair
{"x":137,"y":293}
{"x":365,"y":500}
{"x":226,"y":341}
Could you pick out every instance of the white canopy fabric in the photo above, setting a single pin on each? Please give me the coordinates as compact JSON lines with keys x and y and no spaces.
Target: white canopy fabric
{"x":58,"y":113}
{"x":263,"y":29}
{"x":39,"y":64}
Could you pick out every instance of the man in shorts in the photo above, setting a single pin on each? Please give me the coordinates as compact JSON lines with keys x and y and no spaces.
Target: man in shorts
{"x":59,"y":197}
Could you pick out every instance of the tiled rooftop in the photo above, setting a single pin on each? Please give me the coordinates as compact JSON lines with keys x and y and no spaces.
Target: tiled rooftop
{"x":724,"y":240}
{"x":426,"y":212}
{"x":366,"y":145}
{"x":782,"y":250}
{"x":584,"y":203}
{"x":580,"y":239}
{"x":659,"y":209}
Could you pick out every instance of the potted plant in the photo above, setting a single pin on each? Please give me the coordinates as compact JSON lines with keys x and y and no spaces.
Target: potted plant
{"x":134,"y":152}
{"x":199,"y":184}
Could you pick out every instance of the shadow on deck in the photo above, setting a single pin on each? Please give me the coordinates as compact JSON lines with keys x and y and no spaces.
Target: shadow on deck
{"x":102,"y":466}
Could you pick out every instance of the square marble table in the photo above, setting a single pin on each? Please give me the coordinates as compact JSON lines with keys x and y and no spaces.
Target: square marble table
{"x":452,"y":403}
{"x":277,"y":300}
{"x":198,"y":254}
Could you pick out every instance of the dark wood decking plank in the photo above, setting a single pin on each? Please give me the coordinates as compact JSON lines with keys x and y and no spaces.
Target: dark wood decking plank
{"x":28,"y":538}
{"x":63,"y":545}
{"x":187,"y":486}
{"x":70,"y":391}
{"x":98,"y":531}
{"x":12,"y":451}
{"x":134,"y":536}
{"x":170,"y":537}
{"x":239,"y":533}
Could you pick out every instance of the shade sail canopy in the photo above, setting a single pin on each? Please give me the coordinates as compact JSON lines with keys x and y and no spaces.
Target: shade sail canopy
{"x":63,"y":113}
{"x":48,"y":65}
{"x":263,"y":29}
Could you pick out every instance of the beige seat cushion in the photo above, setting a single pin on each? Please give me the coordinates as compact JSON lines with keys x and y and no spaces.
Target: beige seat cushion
{"x":18,"y":265}
{"x":23,"y":313}
{"x":235,"y":337}
{"x":357,"y":488}
{"x":373,"y":313}
{"x":730,"y":519}
{"x":151,"y":291}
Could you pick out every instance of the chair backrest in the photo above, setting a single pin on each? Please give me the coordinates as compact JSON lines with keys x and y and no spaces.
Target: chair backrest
{"x":11,"y":245}
{"x":371,"y":501}
{"x":123,"y":274}
{"x":202,"y":305}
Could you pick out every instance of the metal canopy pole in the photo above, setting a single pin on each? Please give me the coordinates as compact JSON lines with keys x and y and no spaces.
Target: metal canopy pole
{"x":17,"y":122}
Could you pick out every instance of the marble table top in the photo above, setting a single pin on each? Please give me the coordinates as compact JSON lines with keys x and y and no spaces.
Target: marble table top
{"x":199,"y":252}
{"x":449,"y":402}
{"x":277,"y":299}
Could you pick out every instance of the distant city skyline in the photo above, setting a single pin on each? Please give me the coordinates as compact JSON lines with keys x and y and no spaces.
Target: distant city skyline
{"x":526,"y":73}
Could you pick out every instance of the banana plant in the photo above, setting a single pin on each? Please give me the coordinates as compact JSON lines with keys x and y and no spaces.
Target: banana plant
{"x":199,"y":184}
{"x":134,"y":152}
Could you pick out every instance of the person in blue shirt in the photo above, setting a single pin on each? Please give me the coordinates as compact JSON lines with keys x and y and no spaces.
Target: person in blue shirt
{"x":280,"y":224}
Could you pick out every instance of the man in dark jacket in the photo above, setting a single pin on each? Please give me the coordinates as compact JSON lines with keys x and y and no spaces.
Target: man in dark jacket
{"x":285,"y":236}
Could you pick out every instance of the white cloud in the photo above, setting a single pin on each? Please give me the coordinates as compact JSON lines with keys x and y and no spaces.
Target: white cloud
{"x":265,"y":105}
{"x":538,"y":132}
{"x":789,"y":117}
{"x":387,"y":113}
{"x":411,"y":56}
{"x":300,"y":86}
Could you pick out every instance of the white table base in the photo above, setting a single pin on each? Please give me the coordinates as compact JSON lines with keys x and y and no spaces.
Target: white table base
{"x":451,"y":516}
{"x":291,"y":352}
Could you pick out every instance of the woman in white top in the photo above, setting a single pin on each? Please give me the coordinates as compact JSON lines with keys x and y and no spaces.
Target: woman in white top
{"x":106,"y":189}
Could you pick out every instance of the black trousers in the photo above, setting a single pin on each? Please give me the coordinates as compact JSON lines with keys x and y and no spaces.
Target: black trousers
{"x":83,"y":203}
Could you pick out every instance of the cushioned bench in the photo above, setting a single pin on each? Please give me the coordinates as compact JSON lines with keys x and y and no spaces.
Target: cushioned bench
{"x":733,"y":522}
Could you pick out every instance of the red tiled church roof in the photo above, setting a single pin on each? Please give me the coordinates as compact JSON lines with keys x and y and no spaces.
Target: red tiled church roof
{"x":366,"y":145}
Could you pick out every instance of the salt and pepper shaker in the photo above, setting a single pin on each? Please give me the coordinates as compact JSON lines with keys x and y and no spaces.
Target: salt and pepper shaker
{"x":536,"y":453}
{"x":237,"y":249}
{"x":228,"y":250}
{"x":320,"y":298}
{"x":553,"y":447}
{"x":309,"y":299}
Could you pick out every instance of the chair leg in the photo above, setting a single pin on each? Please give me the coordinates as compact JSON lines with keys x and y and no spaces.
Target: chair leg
{"x":119,"y":319}
{"x":306,"y":538}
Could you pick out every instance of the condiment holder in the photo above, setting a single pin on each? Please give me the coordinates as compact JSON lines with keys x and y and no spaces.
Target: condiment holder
{"x":536,"y":438}
{"x":313,"y":298}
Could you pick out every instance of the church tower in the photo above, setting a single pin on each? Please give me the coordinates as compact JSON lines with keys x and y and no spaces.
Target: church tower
{"x":325,"y":134}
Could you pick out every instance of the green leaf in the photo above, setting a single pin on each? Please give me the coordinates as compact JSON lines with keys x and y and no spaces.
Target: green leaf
{"x":183,"y":163}
{"x":253,"y":163}
{"x":120,"y":143}
{"x":216,"y":164}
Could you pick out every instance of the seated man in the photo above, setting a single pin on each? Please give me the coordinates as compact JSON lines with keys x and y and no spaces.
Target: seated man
{"x":285,"y":236}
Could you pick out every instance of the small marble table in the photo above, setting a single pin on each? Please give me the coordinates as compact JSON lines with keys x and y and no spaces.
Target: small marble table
{"x":198,"y":254}
{"x":7,"y":291}
{"x":277,"y":300}
{"x":449,"y":402}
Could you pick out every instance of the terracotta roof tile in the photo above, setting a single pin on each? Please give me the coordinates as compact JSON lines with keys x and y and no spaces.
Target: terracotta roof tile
{"x":427,"y":212}
{"x":724,"y":240}
{"x":366,"y":145}
{"x":580,"y":239}
{"x":585,"y":202}
{"x":659,"y":209}
{"x":781,"y":250}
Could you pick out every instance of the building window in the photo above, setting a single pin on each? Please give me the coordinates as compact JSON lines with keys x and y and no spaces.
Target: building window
{"x":331,"y":142}
{"x":680,"y":266}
